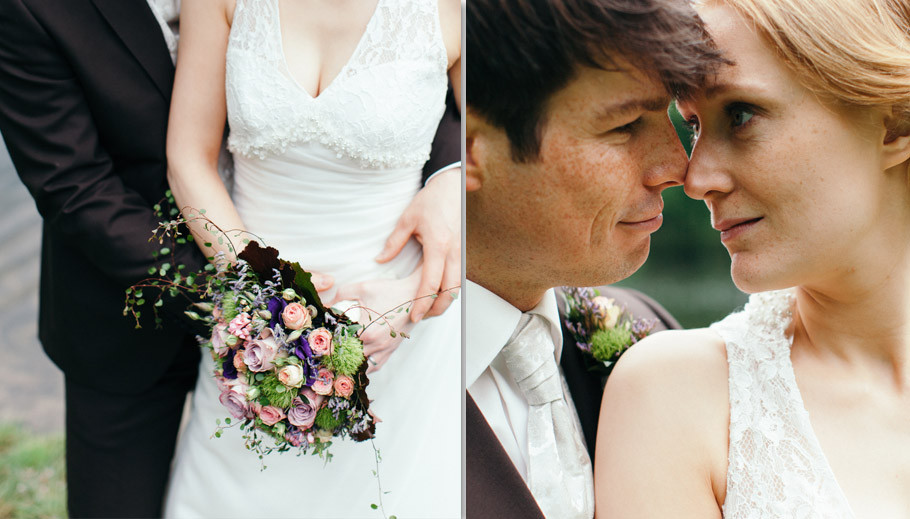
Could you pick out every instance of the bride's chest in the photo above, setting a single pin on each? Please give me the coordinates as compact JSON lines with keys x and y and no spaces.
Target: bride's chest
{"x":866,"y":441}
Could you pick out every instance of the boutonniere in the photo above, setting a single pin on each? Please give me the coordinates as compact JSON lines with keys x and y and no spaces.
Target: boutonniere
{"x":601,"y":328}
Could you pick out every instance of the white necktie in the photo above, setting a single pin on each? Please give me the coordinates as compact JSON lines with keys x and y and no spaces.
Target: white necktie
{"x":559,"y":469}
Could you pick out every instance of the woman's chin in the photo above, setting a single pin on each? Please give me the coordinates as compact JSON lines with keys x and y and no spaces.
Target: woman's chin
{"x":752,"y":277}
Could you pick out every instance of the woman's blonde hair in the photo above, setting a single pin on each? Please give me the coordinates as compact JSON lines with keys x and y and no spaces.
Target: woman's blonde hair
{"x":852,"y":51}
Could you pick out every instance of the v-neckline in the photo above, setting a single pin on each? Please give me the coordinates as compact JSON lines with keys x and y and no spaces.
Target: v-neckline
{"x":813,"y":437}
{"x":344,"y":68}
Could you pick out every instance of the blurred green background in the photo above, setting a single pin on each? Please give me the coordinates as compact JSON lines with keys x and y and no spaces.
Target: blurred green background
{"x":688,"y":270}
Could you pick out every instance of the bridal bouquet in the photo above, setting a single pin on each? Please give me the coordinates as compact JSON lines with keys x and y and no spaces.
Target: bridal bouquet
{"x":288,"y":368}
{"x":601,"y":328}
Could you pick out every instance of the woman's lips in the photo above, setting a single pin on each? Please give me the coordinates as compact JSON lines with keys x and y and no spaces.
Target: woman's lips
{"x":649,"y":225}
{"x":734,"y":228}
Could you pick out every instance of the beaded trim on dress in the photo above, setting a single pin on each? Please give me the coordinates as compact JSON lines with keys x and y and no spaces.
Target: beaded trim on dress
{"x":776,"y":466}
{"x":388,"y":96}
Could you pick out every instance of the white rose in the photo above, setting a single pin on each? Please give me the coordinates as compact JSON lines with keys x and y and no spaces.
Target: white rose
{"x":607,"y":312}
{"x":291,"y":375}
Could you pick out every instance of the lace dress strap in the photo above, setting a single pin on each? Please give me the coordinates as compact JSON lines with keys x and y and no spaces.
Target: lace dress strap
{"x":382,"y":109}
{"x":776,"y":467}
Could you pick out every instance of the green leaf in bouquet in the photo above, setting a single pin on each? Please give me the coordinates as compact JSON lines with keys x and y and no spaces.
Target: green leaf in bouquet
{"x":152,"y":271}
{"x":165,"y":250}
{"x":303,"y":283}
{"x":159,"y":303}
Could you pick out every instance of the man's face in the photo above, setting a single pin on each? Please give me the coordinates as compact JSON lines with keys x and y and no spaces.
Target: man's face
{"x":582,"y":213}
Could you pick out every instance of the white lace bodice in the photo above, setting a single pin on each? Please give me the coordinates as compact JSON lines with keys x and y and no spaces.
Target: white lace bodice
{"x":776,"y":466}
{"x":381,"y":110}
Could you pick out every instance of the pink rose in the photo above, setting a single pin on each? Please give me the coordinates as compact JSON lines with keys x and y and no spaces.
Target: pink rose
{"x":295,"y":316}
{"x":320,"y":341}
{"x":324,"y":381}
{"x":271,"y":415}
{"x":241,"y":326}
{"x":344,"y":386}
{"x":291,"y":375}
{"x":261,"y":352}
{"x":219,"y":335}
{"x":310,"y":396}
{"x":255,"y":406}
{"x":239,"y":364}
{"x":233,"y":397}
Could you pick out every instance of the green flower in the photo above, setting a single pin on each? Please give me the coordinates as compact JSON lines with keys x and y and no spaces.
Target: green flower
{"x":606,"y":344}
{"x":326,"y":420}
{"x":229,"y":306}
{"x":276,"y":392}
{"x":347,"y":358}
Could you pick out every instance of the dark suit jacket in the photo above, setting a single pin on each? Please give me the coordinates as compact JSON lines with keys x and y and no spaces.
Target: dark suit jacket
{"x":494,"y":487}
{"x":85,"y":89}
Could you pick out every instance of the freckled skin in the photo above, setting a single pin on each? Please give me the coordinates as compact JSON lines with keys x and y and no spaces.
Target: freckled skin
{"x":557,"y":220}
{"x":811,"y":170}
{"x":834,"y":200}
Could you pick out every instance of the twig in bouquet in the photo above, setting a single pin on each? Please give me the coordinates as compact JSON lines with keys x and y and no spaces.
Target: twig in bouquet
{"x":399,"y":308}
{"x":380,"y":506}
{"x":180,"y":283}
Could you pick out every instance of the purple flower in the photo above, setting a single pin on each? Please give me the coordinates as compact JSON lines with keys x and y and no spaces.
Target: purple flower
{"x":303,"y":414}
{"x":235,"y":402}
{"x":295,"y":436}
{"x":261,"y":352}
{"x":276,"y":307}
{"x":230,"y":372}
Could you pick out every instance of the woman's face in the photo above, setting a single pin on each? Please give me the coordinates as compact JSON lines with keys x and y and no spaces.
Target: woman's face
{"x":795,"y":186}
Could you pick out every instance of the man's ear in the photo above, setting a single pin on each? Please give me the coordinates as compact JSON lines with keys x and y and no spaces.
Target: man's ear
{"x":474,"y":157}
{"x":896,"y":144}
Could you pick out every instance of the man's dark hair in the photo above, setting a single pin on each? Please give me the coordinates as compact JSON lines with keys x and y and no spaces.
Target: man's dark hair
{"x":520,"y":52}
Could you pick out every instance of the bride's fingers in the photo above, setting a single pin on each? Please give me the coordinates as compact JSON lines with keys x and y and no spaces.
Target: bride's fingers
{"x":376,"y":361}
{"x":349,"y":292}
{"x":322,"y":282}
{"x":451,"y":278}
{"x":431,"y":277}
{"x":400,"y":235}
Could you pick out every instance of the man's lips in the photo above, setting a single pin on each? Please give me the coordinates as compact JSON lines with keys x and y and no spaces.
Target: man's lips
{"x":647,"y":224}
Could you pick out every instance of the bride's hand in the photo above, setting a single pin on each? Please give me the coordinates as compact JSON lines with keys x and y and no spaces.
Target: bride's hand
{"x":376,"y":297}
{"x":434,"y":219}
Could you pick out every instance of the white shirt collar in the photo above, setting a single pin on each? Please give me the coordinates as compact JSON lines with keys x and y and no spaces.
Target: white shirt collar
{"x":490,"y":321}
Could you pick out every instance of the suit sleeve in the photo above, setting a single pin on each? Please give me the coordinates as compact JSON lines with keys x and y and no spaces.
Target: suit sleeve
{"x":447,"y":142}
{"x":56,"y":149}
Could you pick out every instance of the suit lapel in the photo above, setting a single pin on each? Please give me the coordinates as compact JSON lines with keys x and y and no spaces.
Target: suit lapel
{"x":494,"y":487}
{"x":137,"y":27}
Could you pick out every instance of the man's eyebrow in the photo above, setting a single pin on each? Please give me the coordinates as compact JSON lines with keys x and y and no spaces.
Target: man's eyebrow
{"x":633,"y":105}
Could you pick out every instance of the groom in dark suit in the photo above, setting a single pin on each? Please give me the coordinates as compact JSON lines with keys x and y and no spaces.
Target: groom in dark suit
{"x":85,"y":88}
{"x":568,"y":150}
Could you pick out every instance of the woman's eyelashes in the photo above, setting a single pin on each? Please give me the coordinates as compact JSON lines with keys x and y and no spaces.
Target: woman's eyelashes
{"x":737,"y":118}
{"x":740,"y":115}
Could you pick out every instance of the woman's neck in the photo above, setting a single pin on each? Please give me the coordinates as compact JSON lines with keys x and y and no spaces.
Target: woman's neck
{"x":862,"y":323}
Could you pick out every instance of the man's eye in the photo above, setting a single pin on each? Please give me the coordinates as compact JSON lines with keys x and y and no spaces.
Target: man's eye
{"x":628,"y":128}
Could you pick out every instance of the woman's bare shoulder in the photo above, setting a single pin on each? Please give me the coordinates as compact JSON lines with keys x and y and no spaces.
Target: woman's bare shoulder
{"x":665,"y":419}
{"x":676,"y":367}
{"x":450,"y":21}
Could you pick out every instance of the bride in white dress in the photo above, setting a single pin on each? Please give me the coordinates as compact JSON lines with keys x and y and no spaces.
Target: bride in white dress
{"x":799,"y":405}
{"x":332,"y":107}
